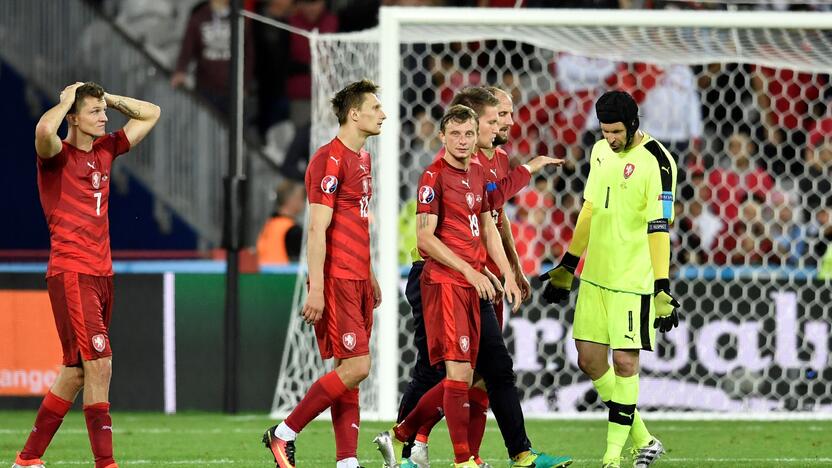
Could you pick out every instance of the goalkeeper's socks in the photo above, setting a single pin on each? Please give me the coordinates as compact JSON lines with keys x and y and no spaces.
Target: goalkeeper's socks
{"x":457,"y":414}
{"x":478,"y":399}
{"x":425,"y":415}
{"x":346,"y":417}
{"x":284,"y":432}
{"x":320,"y":396}
{"x":50,"y":416}
{"x":605,"y":385}
{"x":621,"y":415}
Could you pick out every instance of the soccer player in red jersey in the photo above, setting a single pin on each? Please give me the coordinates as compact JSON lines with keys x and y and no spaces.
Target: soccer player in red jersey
{"x":74,"y":188}
{"x":453,"y":213}
{"x":495,"y":380}
{"x":342,"y":288}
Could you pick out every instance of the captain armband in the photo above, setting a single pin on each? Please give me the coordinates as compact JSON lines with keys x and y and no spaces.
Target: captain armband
{"x":658,"y":225}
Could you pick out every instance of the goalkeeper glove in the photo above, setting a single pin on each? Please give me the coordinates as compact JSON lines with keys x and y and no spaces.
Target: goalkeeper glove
{"x":559,"y":279}
{"x":666,"y":315}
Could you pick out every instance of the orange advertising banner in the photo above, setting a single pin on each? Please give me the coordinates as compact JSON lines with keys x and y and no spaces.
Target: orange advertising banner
{"x":30,"y":352}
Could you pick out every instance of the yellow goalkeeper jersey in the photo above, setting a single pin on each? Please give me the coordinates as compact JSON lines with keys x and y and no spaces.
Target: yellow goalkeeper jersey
{"x":626,"y":190}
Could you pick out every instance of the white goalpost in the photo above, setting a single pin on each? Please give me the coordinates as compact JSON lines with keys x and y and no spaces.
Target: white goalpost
{"x":754,"y":342}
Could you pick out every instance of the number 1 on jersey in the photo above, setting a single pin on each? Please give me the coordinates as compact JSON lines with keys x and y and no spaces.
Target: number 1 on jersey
{"x":97,"y":196}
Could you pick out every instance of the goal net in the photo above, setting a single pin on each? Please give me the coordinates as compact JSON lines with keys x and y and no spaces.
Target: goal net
{"x":742,"y":101}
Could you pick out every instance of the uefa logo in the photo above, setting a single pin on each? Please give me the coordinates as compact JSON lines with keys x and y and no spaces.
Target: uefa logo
{"x":329,"y":184}
{"x":426,"y":194}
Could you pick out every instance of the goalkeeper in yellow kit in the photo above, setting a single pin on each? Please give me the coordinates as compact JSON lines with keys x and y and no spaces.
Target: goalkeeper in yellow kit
{"x":625,"y":286}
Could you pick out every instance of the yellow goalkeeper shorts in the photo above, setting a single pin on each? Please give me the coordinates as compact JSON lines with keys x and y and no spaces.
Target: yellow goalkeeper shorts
{"x":620,"y":320}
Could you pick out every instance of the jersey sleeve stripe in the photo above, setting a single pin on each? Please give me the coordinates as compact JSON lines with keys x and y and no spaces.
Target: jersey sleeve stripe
{"x":666,"y":173}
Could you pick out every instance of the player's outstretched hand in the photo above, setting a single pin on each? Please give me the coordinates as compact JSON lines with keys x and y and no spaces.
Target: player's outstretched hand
{"x":558,"y":280}
{"x":481,"y":283}
{"x":513,"y":294}
{"x":68,"y":94}
{"x":313,"y":308}
{"x":666,"y":315}
{"x":540,"y":162}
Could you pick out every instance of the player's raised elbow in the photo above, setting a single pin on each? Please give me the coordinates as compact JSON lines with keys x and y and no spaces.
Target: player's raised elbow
{"x":154,"y":112}
{"x":44,"y":131}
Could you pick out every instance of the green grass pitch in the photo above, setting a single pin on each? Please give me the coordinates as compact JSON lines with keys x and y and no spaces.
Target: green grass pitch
{"x":206,"y":439}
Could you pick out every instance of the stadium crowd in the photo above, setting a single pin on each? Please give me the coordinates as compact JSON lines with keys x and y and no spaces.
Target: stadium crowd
{"x":754,"y":144}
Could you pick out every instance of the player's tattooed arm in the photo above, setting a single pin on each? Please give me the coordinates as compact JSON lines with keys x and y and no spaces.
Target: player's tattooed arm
{"x":422,"y":220}
{"x":143,"y":115}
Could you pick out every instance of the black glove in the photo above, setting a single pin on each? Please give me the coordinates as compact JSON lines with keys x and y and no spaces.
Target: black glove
{"x":559,"y":279}
{"x":666,"y":315}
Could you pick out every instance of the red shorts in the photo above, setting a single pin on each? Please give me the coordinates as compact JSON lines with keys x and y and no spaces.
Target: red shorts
{"x":82,"y":306}
{"x":344,"y":330}
{"x":452,"y":322}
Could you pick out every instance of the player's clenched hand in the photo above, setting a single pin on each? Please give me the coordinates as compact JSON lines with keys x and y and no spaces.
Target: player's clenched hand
{"x":558,"y":280}
{"x":481,"y":283}
{"x":523,"y":284}
{"x":313,"y":308}
{"x":540,"y":162}
{"x":666,"y":315}
{"x":513,"y":294}
{"x":68,"y":94}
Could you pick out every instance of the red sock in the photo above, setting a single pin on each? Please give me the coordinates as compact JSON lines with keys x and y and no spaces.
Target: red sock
{"x":478,"y":399}
{"x":428,"y":409}
{"x":457,"y":413}
{"x":50,"y":416}
{"x":320,"y":396}
{"x":100,"y":430}
{"x":346,"y":418}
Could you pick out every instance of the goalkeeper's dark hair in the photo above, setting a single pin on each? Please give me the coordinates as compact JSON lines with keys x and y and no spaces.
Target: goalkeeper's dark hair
{"x":477,"y":98}
{"x":458,"y":114}
{"x":351,"y":97}
{"x":618,"y":106}
{"x":88,"y":89}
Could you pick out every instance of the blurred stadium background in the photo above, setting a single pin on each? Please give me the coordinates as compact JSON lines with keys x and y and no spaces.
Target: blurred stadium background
{"x":742,"y":99}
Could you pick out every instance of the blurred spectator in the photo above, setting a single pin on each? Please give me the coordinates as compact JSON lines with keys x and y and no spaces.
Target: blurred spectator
{"x":271,"y":46}
{"x":698,"y":229}
{"x":788,"y":236}
{"x":280,"y":239}
{"x":737,"y":178}
{"x":815,"y":183}
{"x":746,"y":242}
{"x":309,"y":15}
{"x":672,"y":112}
{"x":786,"y":100}
{"x":419,"y":147}
{"x":207,"y":43}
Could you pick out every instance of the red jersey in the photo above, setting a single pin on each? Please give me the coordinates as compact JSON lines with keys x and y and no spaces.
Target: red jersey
{"x":341,"y":179}
{"x":457,"y":197}
{"x":74,"y":189}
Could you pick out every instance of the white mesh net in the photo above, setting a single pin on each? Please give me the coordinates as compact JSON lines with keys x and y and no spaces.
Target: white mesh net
{"x":745,"y":111}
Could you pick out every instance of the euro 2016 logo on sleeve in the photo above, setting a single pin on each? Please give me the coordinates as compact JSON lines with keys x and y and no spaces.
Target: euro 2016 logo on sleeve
{"x":628,"y":170}
{"x":464,"y":343}
{"x":329,"y":184}
{"x":99,"y":342}
{"x":426,"y":194}
{"x":349,"y":340}
{"x":96,"y":180}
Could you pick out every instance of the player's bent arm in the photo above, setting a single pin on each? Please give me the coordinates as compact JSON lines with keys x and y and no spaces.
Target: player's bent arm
{"x":47,"y":142}
{"x":580,"y":238}
{"x":143,"y":115}
{"x":428,"y":243}
{"x":320,"y":216}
